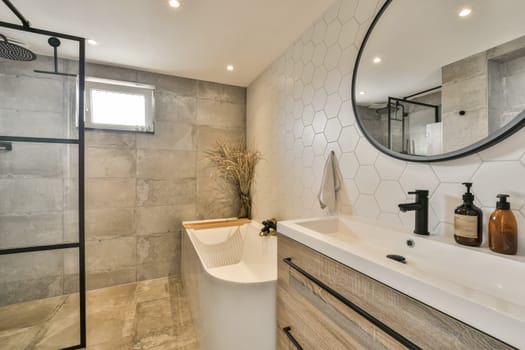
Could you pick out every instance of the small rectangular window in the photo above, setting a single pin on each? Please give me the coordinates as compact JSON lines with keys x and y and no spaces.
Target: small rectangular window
{"x":119,"y":105}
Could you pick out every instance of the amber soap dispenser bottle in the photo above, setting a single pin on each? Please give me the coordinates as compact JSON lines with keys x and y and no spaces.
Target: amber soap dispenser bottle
{"x":503,"y":228}
{"x":468,"y":221}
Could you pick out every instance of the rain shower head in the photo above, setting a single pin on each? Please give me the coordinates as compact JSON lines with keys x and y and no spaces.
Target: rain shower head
{"x":14,"y":52}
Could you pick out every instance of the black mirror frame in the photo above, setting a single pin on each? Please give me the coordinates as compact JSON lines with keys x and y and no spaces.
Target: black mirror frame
{"x":512,"y":127}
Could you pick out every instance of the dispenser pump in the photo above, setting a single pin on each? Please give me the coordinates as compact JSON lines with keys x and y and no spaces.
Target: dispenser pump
{"x":468,"y":220}
{"x":502,"y":203}
{"x":503,"y":228}
{"x":468,"y":196}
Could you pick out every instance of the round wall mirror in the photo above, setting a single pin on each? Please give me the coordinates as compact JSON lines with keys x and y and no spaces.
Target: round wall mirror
{"x":440,"y":79}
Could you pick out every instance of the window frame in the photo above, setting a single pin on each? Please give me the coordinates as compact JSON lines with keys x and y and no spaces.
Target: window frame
{"x":118,"y":86}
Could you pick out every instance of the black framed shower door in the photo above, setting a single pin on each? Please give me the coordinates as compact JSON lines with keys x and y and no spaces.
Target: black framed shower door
{"x":5,"y":141}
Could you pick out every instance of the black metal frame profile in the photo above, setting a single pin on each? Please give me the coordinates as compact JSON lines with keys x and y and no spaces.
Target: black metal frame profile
{"x":509,"y":129}
{"x":399,"y":102}
{"x":80,"y":245}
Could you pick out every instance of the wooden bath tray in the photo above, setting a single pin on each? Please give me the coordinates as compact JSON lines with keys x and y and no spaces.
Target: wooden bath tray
{"x":216,"y":224}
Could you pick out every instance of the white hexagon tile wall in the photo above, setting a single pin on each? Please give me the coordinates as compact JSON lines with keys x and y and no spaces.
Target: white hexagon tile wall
{"x":299,"y":109}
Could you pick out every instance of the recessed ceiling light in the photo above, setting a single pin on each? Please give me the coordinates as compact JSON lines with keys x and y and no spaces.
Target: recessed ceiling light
{"x":362,"y":92}
{"x":377,"y":60}
{"x":465,"y":12}
{"x":230,"y":68}
{"x":92,"y":42}
{"x":174,"y":3}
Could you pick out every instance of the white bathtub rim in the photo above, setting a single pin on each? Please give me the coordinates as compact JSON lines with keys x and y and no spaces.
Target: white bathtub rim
{"x":215,"y":272}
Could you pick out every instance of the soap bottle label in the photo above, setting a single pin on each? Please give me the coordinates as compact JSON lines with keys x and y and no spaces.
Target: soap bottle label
{"x":466,"y":226}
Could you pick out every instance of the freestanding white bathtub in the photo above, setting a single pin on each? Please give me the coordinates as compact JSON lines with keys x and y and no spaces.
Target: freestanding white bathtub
{"x":230,"y":276}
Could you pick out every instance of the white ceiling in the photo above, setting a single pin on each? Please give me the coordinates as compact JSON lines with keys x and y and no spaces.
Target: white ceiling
{"x":198,"y":40}
{"x":416,"y":38}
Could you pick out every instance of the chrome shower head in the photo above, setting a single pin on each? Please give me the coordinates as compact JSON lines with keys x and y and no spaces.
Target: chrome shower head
{"x":14,"y":52}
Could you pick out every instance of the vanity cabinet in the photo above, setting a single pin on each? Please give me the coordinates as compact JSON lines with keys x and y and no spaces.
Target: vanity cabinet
{"x":323,"y":304}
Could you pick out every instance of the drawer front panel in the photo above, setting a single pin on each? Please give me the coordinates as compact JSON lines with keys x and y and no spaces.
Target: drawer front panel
{"x":318,"y":320}
{"x":419,"y":323}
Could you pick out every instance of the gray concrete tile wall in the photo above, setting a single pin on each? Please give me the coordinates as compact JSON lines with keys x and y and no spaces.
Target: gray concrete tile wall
{"x":110,"y":139}
{"x":34,"y":93}
{"x":506,"y":82}
{"x":220,"y":114}
{"x":110,"y":162}
{"x":32,"y":160}
{"x":514,"y":85}
{"x":43,"y":124}
{"x":164,"y":192}
{"x":177,"y":136}
{"x":22,"y":195}
{"x":139,"y":187}
{"x":34,"y":190}
{"x":465,"y":87}
{"x":110,"y":192}
{"x":157,"y":219}
{"x":30,"y":276}
{"x":162,"y":164}
{"x":466,"y":68}
{"x":109,"y":223}
{"x":173,"y":108}
{"x":31,"y":229}
{"x":488,"y":87}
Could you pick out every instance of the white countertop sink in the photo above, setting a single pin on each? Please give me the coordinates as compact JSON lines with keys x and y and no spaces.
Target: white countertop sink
{"x":482,"y":289}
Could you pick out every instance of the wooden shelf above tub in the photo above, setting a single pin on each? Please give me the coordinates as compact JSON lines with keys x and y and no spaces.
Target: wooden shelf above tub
{"x":216,"y":224}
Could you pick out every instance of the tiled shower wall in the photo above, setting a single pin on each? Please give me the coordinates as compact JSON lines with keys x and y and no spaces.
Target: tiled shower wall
{"x":139,"y":187}
{"x":304,"y":99}
{"x":36,"y":196}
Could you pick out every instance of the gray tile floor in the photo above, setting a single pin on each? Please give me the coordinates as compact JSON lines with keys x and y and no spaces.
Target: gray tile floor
{"x":148,"y":315}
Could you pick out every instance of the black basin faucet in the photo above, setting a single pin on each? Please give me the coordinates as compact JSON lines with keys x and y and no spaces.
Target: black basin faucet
{"x":420,"y":206}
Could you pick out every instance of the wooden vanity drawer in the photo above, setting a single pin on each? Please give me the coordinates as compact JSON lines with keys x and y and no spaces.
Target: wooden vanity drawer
{"x":313,"y":313}
{"x":318,"y":320}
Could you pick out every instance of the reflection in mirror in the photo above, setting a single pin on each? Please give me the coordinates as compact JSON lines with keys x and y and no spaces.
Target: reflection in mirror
{"x":438,"y":76}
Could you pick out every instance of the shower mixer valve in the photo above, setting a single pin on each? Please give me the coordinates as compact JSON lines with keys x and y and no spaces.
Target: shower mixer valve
{"x":269,"y":228}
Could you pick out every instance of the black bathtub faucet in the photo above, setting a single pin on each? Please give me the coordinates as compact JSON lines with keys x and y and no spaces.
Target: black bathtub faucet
{"x":420,"y":206}
{"x":269,"y":227}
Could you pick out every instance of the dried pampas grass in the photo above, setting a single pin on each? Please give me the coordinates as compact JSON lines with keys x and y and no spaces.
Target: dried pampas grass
{"x":236,"y":165}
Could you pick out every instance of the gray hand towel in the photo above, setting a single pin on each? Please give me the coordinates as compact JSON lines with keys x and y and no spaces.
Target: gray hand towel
{"x":330,"y":184}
